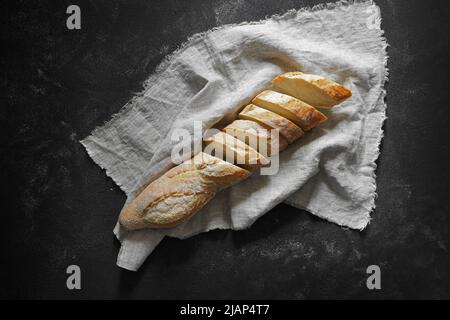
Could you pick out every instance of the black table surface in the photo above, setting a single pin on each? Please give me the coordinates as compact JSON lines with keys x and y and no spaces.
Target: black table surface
{"x":59,"y":84}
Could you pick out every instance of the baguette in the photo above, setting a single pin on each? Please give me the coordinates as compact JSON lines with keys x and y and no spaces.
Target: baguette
{"x":299,"y":112}
{"x":185,"y":189}
{"x":235,"y":151}
{"x":249,"y":131}
{"x":180,"y":192}
{"x":287,"y":128}
{"x":312,"y":89}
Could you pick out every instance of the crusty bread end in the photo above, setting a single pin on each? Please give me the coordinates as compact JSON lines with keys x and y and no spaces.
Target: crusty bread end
{"x":179,"y":193}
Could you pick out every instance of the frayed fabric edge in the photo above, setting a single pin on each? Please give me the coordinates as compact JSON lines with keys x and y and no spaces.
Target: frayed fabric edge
{"x":86,"y":144}
{"x":380,"y":134}
{"x":370,"y":204}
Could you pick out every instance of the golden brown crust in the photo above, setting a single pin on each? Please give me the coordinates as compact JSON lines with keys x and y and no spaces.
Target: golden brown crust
{"x":315,"y":90}
{"x":333,"y":89}
{"x":299,"y":112}
{"x":180,"y":192}
{"x":287,"y":128}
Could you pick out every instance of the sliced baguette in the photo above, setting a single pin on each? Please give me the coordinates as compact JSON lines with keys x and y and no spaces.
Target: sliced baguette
{"x":180,"y":192}
{"x":230,"y":149}
{"x":287,"y":128}
{"x":312,"y":89}
{"x":264,"y":139}
{"x":299,"y":112}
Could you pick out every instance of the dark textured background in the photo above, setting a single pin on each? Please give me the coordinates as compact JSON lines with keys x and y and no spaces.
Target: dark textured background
{"x":57,"y":85}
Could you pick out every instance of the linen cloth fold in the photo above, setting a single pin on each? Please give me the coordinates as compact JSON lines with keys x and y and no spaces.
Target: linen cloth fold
{"x":330,"y":172}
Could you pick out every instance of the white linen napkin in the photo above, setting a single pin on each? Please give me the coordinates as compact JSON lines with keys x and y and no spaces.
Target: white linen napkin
{"x":330,"y":172}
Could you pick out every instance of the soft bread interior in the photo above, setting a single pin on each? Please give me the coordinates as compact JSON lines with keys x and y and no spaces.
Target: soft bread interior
{"x":230,"y":149}
{"x":302,"y":114}
{"x":287,"y":128}
{"x":265,"y":140}
{"x":312,"y":89}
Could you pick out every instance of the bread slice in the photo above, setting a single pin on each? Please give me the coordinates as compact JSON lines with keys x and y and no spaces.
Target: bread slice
{"x":286,"y":127}
{"x":235,"y":151}
{"x":299,"y":112}
{"x":315,"y":90}
{"x":180,"y":192}
{"x":262,"y":138}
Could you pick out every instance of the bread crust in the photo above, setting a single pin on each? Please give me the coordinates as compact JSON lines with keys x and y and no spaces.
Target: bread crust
{"x":180,"y":192}
{"x":299,"y":112}
{"x":287,"y":128}
{"x":315,"y":90}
